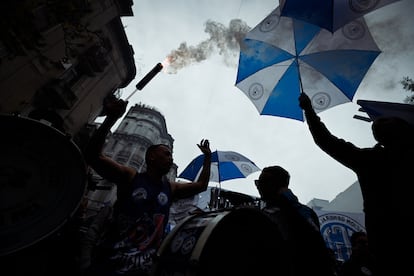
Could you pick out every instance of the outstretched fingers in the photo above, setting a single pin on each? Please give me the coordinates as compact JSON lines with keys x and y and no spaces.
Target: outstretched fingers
{"x":204,"y":146}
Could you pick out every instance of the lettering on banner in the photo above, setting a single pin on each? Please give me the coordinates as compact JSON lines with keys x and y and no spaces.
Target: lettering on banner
{"x":336,"y":229}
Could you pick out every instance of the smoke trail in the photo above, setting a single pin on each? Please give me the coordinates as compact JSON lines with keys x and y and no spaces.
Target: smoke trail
{"x":392,"y":29}
{"x":224,"y":40}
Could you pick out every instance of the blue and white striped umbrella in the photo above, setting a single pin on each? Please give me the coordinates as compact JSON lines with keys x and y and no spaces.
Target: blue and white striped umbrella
{"x":330,"y":14}
{"x":282,"y":57}
{"x":225,"y":165}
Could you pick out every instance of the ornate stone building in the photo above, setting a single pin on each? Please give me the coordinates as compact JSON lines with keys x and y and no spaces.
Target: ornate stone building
{"x":60,"y":59}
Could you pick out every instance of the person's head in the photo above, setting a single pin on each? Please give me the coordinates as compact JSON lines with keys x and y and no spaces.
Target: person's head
{"x":359,"y":243}
{"x":159,"y":158}
{"x":271,"y":181}
{"x":389,"y":131}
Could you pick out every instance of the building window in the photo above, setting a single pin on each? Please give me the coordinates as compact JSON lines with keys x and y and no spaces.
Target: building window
{"x":124,"y":126}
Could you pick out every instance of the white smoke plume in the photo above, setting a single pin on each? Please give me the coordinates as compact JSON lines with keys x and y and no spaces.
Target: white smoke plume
{"x":223,"y":40}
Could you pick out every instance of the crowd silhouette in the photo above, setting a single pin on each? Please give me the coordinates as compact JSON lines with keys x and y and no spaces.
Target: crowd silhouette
{"x":385,"y":178}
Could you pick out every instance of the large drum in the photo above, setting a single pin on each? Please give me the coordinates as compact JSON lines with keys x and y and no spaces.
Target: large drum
{"x":241,"y":241}
{"x":42,"y":182}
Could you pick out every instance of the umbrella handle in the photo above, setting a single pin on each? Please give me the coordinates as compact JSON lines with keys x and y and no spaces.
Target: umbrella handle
{"x":300,"y":82}
{"x":300,"y":78}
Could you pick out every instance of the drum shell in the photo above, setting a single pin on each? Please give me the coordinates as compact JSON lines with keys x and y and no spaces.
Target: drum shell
{"x":241,"y":241}
{"x":43,"y":178}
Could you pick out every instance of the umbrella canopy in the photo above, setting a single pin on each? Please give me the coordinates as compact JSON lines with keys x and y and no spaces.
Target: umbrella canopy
{"x":225,"y":165}
{"x":376,"y":109}
{"x":329,"y":14}
{"x":281,"y":57}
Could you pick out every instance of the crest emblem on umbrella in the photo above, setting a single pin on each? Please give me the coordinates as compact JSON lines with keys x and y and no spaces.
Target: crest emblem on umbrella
{"x":282,"y":57}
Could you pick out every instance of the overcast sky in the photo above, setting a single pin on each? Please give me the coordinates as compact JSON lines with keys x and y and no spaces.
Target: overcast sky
{"x":200,"y":99}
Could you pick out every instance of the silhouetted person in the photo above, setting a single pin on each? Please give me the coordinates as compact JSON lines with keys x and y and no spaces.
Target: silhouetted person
{"x":306,"y":252}
{"x":385,"y":175}
{"x":360,"y":262}
{"x":143,"y":201}
{"x":335,"y":263}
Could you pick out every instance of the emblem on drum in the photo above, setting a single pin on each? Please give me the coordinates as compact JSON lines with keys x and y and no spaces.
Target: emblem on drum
{"x":188,"y":245}
{"x":176,"y":243}
{"x":185,"y":241}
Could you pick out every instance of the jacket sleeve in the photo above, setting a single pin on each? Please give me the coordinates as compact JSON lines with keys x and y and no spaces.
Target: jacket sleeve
{"x":344,"y":152}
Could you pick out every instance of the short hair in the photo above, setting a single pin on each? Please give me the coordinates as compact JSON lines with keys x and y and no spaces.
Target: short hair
{"x":280,"y":174}
{"x":151,"y":149}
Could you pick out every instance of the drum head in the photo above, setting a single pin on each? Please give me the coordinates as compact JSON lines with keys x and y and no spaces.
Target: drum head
{"x":243,"y":241}
{"x":42,"y":181}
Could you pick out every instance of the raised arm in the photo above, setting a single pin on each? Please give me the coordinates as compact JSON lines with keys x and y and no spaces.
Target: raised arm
{"x":339,"y":149}
{"x":182,"y":190}
{"x":94,"y":156}
{"x":313,"y":120}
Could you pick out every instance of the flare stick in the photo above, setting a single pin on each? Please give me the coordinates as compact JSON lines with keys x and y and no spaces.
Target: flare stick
{"x":149,"y":76}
